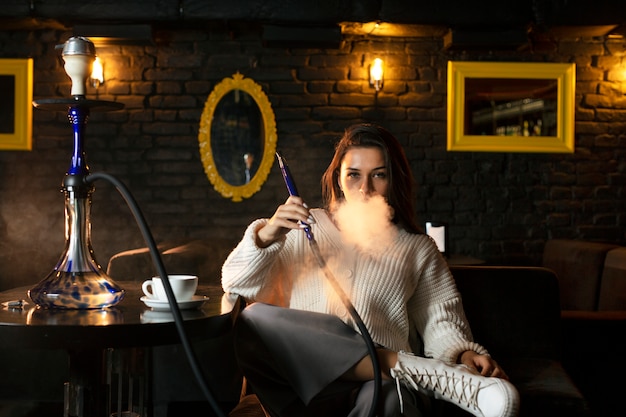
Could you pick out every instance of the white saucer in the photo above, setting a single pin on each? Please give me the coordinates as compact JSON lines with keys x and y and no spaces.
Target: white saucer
{"x":156,"y":316}
{"x":195,"y":302}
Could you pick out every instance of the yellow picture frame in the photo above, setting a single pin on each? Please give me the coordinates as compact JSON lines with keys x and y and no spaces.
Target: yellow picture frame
{"x":16,"y":111}
{"x":237,"y":83}
{"x":537,"y":99}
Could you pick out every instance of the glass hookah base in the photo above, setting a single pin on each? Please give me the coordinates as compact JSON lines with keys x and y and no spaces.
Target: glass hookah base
{"x":76,"y":290}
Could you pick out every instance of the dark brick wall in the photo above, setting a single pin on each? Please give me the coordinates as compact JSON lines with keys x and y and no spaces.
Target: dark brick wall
{"x":499,"y":206}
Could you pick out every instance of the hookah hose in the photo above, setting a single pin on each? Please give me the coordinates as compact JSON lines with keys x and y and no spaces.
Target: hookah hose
{"x":158,"y":262}
{"x":291,"y":187}
{"x":178,"y":320}
{"x":359,"y":322}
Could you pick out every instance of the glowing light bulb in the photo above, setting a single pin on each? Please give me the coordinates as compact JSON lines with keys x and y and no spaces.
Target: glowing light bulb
{"x":376,"y":74}
{"x":97,"y":73}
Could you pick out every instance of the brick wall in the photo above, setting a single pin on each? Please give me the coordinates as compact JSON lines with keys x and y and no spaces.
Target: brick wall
{"x":499,"y":206}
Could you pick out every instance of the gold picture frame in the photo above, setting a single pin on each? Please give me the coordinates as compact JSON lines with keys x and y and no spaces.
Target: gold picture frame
{"x":511,"y":107}
{"x":16,"y":107}
{"x":220,"y":129}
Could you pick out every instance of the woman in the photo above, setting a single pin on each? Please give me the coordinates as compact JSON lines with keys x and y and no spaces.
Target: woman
{"x":297,"y":344}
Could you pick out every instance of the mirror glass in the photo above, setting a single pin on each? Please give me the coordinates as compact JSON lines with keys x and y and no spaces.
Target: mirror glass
{"x":237,"y":137}
{"x":7,"y":117}
{"x":510,"y":107}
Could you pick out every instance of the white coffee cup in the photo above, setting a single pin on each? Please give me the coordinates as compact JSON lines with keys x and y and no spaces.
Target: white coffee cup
{"x":183,"y":286}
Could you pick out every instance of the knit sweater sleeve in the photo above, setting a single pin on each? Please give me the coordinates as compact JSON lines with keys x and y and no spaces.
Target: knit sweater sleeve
{"x":438,"y":312}
{"x":251,"y":271}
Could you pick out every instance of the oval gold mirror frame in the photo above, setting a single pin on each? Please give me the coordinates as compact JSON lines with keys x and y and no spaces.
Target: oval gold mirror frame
{"x":237,"y":192}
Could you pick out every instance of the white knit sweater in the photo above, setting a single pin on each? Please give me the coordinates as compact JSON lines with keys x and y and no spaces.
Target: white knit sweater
{"x":407,"y":291}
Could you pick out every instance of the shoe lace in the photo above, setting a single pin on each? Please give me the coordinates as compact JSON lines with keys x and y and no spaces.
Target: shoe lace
{"x":460,"y":389}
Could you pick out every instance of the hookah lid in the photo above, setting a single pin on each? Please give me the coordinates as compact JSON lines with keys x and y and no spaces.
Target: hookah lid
{"x":77,"y":45}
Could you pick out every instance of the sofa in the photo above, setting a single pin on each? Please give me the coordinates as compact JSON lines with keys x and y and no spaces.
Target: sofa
{"x":592,"y":283}
{"x":592,"y":275}
{"x":514,"y":311}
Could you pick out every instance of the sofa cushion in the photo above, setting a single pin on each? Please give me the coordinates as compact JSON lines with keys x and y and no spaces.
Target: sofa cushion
{"x":578,"y":265}
{"x":546,"y":389}
{"x":203,"y":258}
{"x":613,"y":286}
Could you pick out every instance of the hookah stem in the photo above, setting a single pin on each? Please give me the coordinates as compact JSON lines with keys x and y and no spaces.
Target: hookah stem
{"x":355,"y":315}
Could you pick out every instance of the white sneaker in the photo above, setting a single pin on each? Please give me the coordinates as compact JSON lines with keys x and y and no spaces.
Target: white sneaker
{"x":479,"y":395}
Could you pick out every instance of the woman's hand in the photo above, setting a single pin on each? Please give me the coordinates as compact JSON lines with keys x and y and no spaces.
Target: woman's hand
{"x":284,"y":219}
{"x":482,"y":364}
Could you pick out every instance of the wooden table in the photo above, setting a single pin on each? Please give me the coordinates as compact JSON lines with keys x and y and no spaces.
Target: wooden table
{"x":87,"y":334}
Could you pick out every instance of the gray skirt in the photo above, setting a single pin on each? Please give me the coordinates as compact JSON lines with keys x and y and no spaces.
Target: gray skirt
{"x":293,"y":360}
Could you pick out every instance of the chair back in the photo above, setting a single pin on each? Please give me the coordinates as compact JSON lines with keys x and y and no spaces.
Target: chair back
{"x":512,"y":311}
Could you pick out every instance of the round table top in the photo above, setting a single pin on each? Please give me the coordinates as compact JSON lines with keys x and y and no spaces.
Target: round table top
{"x":129,"y":323}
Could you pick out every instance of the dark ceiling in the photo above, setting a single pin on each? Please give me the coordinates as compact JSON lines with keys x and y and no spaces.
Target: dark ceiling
{"x":583,"y":17}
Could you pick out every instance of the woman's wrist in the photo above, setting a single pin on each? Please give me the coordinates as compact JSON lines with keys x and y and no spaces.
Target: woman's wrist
{"x":463,"y":355}
{"x":261,"y":240}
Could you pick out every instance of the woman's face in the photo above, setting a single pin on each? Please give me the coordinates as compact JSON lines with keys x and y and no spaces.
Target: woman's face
{"x":363,"y":174}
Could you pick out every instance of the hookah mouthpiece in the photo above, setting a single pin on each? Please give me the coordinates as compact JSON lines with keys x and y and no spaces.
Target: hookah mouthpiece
{"x":293,"y":190}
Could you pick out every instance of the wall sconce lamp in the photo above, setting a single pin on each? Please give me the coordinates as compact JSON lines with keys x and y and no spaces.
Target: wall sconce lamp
{"x":97,"y":73}
{"x":376,"y":74}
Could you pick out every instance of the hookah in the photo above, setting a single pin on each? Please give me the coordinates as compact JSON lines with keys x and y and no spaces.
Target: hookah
{"x":77,"y":281}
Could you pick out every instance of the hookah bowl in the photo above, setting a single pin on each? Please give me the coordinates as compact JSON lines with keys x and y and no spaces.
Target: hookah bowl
{"x":77,"y":281}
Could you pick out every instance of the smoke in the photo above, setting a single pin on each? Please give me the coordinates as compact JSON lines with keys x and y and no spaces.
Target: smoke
{"x":367,"y":224}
